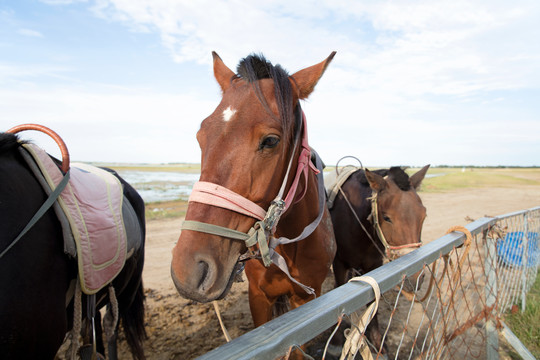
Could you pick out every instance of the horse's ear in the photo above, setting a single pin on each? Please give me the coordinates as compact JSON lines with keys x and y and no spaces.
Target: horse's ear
{"x":376,"y":182}
{"x":222,"y":73}
{"x":417,"y":178}
{"x":304,"y":80}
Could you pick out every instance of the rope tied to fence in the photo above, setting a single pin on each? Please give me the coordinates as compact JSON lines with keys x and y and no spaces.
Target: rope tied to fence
{"x":356,"y":341}
{"x":466,"y":244}
{"x":466,"y":247}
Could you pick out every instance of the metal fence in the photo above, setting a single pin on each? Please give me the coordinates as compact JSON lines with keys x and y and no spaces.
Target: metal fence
{"x":456,"y":314}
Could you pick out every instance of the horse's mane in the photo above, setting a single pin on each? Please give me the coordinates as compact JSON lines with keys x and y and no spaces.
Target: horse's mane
{"x":9,"y":142}
{"x":400,"y":177}
{"x":362,"y":175}
{"x":396,"y":173}
{"x":255,"y":67}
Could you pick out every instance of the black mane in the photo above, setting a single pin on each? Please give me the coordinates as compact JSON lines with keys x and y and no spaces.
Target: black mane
{"x":9,"y":142}
{"x":255,"y":67}
{"x":396,"y":173}
{"x":400,"y":177}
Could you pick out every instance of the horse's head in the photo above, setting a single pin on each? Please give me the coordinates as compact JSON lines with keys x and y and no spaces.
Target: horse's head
{"x":397,"y":211}
{"x":246,"y":145}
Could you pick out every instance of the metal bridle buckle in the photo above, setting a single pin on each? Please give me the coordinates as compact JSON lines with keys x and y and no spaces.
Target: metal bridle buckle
{"x":273,"y":214}
{"x":262,"y":230}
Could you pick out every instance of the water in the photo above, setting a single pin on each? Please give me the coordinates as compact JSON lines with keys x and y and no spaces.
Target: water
{"x":166,"y":186}
{"x":161,"y":186}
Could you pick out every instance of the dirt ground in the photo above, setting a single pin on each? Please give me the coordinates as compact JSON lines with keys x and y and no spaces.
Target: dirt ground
{"x":182,"y":329}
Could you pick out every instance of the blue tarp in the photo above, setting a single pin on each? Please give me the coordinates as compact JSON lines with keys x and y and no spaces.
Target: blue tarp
{"x":511,"y":249}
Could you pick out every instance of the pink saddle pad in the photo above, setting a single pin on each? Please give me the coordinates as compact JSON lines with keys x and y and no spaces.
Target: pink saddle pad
{"x":92,"y":202}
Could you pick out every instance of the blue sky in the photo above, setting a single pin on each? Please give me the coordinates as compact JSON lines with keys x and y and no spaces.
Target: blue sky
{"x":413,"y":82}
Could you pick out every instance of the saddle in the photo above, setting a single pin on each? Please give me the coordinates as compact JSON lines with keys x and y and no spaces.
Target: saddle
{"x":333,"y":182}
{"x":92,"y":211}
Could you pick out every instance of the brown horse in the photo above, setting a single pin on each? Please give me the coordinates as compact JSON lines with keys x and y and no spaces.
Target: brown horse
{"x":255,"y":156}
{"x":376,"y":215}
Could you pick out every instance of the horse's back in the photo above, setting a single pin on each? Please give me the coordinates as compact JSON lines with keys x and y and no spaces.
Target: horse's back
{"x":34,"y":273}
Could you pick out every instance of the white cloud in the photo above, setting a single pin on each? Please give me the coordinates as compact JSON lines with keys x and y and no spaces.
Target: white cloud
{"x":441,"y":47}
{"x":30,"y":33}
{"x":412,"y":80}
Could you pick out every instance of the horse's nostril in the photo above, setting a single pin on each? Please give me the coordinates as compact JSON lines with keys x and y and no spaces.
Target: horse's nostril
{"x":203,"y":273}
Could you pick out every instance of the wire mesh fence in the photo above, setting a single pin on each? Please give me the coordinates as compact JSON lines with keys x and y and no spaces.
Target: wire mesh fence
{"x":471,"y":277}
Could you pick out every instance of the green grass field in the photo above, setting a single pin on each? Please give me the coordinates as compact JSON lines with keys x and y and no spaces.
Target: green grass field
{"x":526,"y":325}
{"x":447,"y":178}
{"x":452,"y":178}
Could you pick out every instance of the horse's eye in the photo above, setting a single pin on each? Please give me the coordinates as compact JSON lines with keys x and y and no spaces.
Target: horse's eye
{"x":386,"y":218}
{"x":269,"y":142}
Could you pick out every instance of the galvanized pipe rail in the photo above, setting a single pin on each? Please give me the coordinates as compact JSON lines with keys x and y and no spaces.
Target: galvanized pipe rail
{"x":304,"y":323}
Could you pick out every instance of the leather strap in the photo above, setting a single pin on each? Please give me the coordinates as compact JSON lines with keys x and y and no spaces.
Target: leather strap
{"x":217,"y":195}
{"x":41,"y":211}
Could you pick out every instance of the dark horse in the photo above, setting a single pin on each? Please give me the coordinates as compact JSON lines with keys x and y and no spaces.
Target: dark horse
{"x":376,"y":215}
{"x":36,"y":305}
{"x":248,"y":144}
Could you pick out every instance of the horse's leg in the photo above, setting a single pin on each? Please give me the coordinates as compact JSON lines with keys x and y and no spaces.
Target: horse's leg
{"x":259,"y":304}
{"x":341,"y":272}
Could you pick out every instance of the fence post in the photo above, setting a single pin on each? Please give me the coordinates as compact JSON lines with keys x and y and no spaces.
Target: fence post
{"x":524,"y":260}
{"x":490,"y":270}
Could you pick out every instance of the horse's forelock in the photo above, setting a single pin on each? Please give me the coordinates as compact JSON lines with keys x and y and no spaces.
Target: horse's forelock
{"x":400,"y":178}
{"x":255,"y":67}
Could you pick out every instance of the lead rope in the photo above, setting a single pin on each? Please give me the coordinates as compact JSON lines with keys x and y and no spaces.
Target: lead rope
{"x":356,"y":341}
{"x":360,"y":222}
{"x":223,"y":328}
{"x":110,"y":327}
{"x":77,"y":321}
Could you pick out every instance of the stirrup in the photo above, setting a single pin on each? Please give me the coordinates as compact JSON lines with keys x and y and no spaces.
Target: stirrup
{"x":86,"y":352}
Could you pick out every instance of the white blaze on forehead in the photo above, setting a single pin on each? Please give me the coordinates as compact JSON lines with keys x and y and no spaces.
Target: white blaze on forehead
{"x":228,"y":113}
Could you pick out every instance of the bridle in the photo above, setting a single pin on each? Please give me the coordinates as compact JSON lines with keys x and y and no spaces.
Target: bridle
{"x":259,"y":239}
{"x":391,"y":252}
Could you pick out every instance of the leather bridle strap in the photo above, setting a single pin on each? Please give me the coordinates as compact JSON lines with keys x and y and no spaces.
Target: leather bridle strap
{"x":378,"y":229}
{"x":217,"y":195}
{"x":315,"y":223}
{"x":214,"y":230}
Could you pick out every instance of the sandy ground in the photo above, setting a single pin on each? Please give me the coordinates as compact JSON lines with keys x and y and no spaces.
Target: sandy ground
{"x":181,"y":329}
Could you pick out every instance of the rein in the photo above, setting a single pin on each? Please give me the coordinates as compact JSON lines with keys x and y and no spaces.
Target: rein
{"x":261,"y":233}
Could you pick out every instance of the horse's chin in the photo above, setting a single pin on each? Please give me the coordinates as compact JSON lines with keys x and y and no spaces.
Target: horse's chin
{"x":200,"y":296}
